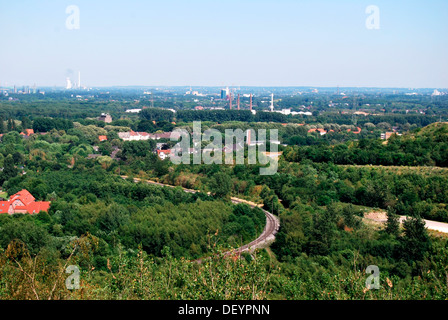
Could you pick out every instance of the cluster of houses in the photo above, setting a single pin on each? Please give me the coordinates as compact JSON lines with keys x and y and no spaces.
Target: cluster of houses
{"x":324,"y":132}
{"x":232,"y":148}
{"x":27,"y":133}
{"x":139,"y":136}
{"x":23,"y":202}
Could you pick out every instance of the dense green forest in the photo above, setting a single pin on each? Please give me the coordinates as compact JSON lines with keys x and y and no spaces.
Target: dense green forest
{"x":428,"y":147}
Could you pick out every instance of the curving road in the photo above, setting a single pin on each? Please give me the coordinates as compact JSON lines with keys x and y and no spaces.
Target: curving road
{"x":266,"y":237}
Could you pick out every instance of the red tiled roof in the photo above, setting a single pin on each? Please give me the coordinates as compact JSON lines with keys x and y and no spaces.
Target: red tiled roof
{"x":320,"y":130}
{"x":27,"y":203}
{"x":24,"y":196}
{"x":4,"y":206}
{"x":29,"y":131}
{"x":102,"y":138}
{"x":164,"y":135}
{"x":34,"y":207}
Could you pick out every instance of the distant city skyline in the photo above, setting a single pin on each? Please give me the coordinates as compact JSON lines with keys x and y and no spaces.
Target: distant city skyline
{"x":259,"y":43}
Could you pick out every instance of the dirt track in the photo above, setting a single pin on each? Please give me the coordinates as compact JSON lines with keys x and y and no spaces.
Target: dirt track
{"x":380,"y":216}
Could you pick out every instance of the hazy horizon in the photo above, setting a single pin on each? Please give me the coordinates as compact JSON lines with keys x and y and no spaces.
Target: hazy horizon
{"x":248,"y":43}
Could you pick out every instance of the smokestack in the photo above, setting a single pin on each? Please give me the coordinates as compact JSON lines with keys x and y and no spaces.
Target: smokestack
{"x":230,"y":100}
{"x":250,"y":106}
{"x":79,"y":79}
{"x":238,"y":101}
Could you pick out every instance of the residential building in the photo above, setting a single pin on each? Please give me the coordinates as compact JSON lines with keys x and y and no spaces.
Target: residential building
{"x":387,"y":135}
{"x":133,"y":110}
{"x":321,"y":131}
{"x":23,"y":202}
{"x":134,"y":136}
{"x":105,"y":117}
{"x":137,"y":136}
{"x":163,"y":154}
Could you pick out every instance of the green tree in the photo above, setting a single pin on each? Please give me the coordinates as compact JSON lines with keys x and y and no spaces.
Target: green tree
{"x":415,"y":242}
{"x":9,"y":170}
{"x":221,"y":185}
{"x":2,"y":125}
{"x":10,"y":124}
{"x":393,"y":222}
{"x":26,"y":123}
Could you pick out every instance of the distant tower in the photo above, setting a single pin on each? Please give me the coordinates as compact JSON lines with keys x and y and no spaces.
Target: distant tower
{"x":250,"y":104}
{"x":230,"y":100}
{"x":79,"y":79}
{"x":223,"y":94}
{"x":69,"y":84}
{"x":238,"y":103}
{"x":272,"y":102}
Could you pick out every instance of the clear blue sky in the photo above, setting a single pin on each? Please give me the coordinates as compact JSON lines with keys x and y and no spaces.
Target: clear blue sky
{"x":232,"y":42}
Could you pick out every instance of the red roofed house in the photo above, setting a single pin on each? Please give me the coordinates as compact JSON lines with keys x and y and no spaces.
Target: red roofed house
{"x":27,"y":132}
{"x":102,"y":138}
{"x":321,"y":131}
{"x":23,"y":202}
{"x":163,"y":154}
